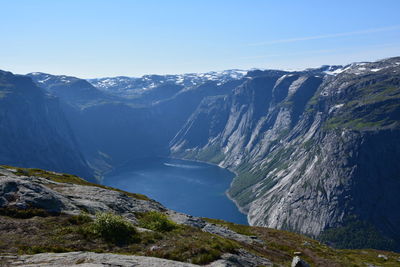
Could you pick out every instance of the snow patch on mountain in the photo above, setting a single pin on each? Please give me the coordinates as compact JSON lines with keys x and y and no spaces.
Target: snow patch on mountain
{"x":131,"y":86}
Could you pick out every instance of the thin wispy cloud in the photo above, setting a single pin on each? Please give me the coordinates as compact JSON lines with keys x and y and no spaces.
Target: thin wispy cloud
{"x":322,"y":51}
{"x":327,"y":36}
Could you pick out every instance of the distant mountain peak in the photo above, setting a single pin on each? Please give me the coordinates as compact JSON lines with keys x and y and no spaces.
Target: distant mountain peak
{"x":129,"y":86}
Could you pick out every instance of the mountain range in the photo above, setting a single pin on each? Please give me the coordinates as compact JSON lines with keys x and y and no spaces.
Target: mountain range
{"x":315,"y":151}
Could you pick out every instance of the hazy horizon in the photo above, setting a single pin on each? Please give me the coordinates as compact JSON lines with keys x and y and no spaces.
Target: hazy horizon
{"x":93,"y":39}
{"x":181,"y":73}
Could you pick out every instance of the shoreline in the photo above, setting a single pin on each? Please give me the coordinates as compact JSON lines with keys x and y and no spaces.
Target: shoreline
{"x":226,"y":192}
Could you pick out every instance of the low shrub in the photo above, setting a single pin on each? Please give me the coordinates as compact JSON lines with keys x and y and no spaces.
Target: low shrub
{"x":156,"y":221}
{"x":113,"y":228}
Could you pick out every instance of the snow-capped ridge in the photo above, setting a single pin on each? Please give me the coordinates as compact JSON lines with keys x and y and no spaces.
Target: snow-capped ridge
{"x":130,"y":86}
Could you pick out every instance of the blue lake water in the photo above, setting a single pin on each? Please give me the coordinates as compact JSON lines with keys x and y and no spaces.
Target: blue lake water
{"x":191,"y":187}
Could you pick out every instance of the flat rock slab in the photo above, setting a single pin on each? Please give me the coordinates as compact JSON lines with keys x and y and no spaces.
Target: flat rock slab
{"x":86,"y":259}
{"x":22,"y":192}
{"x":83,"y":259}
{"x":212,"y":228}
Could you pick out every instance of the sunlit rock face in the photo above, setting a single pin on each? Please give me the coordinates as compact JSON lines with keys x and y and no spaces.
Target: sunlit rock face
{"x":313,"y":150}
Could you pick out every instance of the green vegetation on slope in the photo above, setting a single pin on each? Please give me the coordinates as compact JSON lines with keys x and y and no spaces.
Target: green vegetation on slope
{"x":35,"y":231}
{"x":248,"y":176}
{"x":113,"y":228}
{"x":24,"y":213}
{"x":156,"y":221}
{"x":279,"y":246}
{"x":211,"y":154}
{"x":66,"y":233}
{"x":371,"y":107}
{"x":355,"y":233}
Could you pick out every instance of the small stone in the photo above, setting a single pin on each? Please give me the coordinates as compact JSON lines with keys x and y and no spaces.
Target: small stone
{"x":384,"y":257}
{"x":21,"y":206}
{"x":153,"y":248}
{"x":297,"y":262}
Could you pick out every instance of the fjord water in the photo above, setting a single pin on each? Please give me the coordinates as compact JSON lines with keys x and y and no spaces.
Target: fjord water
{"x":190,"y":187}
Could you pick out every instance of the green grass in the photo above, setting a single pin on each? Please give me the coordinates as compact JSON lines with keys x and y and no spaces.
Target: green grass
{"x":42,"y":249}
{"x":249,"y":176}
{"x":280,"y":246}
{"x":24,"y":213}
{"x":312,"y":102}
{"x":190,"y":244}
{"x":156,"y":221}
{"x":113,"y":228}
{"x":66,"y":233}
{"x":80,"y":219}
{"x":355,"y":233}
{"x":241,"y":190}
{"x":34,"y":231}
{"x":369,"y":108}
{"x":211,"y":154}
{"x":356,"y":123}
{"x":66,"y":178}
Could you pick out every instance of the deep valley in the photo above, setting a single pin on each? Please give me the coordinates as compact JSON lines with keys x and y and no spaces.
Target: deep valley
{"x":315,"y":152}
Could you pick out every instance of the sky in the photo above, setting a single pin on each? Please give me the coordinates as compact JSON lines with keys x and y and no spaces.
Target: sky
{"x":105,"y":38}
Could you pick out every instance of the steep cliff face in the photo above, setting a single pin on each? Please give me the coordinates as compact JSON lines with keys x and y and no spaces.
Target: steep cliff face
{"x":33,"y":129}
{"x":112,"y":127}
{"x":313,"y":152}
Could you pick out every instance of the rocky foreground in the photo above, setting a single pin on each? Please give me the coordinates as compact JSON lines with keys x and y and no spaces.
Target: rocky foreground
{"x":52,"y":219}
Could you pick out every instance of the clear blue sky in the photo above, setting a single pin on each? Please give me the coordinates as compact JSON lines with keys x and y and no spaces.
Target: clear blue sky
{"x":98,"y":38}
